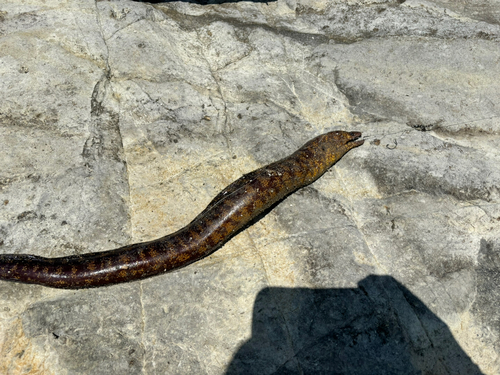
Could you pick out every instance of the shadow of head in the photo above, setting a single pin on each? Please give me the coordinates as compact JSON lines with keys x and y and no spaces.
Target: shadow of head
{"x":378,"y":328}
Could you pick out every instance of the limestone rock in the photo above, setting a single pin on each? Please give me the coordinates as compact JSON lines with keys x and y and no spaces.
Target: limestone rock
{"x":120,"y":121}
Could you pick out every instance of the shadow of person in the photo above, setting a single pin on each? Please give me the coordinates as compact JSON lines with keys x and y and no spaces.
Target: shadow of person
{"x":378,"y":328}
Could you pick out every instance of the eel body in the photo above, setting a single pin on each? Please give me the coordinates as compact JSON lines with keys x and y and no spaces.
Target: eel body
{"x":231,"y":210}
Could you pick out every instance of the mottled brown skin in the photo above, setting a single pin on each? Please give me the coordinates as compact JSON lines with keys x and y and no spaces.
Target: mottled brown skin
{"x":230,"y":211}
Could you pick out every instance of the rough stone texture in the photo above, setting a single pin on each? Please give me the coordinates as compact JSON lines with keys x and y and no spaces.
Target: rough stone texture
{"x":119,"y":121}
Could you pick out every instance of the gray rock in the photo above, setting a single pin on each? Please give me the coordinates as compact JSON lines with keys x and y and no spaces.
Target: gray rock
{"x":120,"y":121}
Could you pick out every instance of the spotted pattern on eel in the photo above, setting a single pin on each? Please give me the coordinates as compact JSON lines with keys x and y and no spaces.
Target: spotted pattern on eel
{"x":239,"y":204}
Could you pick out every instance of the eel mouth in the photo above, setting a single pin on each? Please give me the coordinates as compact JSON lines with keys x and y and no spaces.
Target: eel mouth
{"x":354,"y":140}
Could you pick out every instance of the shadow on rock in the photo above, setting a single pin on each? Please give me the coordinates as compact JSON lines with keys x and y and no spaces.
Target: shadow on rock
{"x":378,"y":328}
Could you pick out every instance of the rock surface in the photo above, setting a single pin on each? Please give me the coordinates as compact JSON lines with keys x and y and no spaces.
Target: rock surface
{"x":119,"y":121}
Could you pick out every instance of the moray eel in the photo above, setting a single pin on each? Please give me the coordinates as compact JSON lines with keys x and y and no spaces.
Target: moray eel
{"x":233,"y":209}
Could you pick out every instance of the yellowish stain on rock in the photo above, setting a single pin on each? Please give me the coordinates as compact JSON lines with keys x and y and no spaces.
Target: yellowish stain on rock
{"x":471,"y":336}
{"x":277,"y":257}
{"x":169,"y":199}
{"x":361,"y":258}
{"x":346,"y":182}
{"x":17,"y":354}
